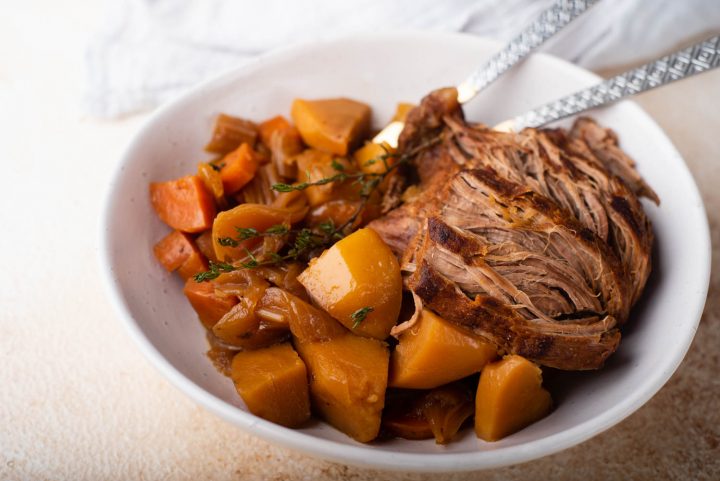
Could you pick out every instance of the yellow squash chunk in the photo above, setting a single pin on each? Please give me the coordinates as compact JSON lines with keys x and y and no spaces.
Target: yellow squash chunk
{"x":434,"y":352}
{"x":373,"y":158}
{"x":273,"y":383}
{"x":358,"y":272}
{"x":509,"y":397}
{"x":401,"y":111}
{"x":254,"y":216}
{"x":348,"y":378}
{"x":332,"y":125}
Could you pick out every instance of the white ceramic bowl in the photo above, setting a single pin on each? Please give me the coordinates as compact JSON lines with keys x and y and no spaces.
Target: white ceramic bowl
{"x":382,"y":70}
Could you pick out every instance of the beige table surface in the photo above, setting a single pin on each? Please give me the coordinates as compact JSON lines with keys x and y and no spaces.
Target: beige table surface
{"x":77,"y":399}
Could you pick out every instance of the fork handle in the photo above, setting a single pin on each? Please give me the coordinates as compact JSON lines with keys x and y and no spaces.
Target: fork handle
{"x":693,"y":60}
{"x":545,"y":26}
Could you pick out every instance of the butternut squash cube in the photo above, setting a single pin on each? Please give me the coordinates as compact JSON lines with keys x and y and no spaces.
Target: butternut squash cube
{"x":434,"y":352}
{"x":358,"y":272}
{"x":401,"y":111}
{"x":373,"y":158}
{"x":332,"y":125}
{"x":273,"y":383}
{"x":348,"y":378}
{"x":509,"y":397}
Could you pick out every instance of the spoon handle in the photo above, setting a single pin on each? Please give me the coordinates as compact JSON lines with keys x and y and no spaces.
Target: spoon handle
{"x":693,"y":60}
{"x":545,"y":26}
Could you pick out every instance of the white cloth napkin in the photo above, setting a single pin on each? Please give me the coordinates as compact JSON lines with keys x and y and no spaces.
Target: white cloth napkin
{"x":147,"y":51}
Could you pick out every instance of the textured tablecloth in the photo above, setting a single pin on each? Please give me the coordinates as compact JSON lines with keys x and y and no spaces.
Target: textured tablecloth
{"x":77,"y":399}
{"x":147,"y":51}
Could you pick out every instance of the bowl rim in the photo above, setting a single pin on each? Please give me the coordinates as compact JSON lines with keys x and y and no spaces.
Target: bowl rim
{"x":366,"y":455}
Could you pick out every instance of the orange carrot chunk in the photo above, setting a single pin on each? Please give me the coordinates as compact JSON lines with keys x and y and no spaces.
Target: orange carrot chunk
{"x":183,"y":204}
{"x":177,"y":251}
{"x":173,"y":250}
{"x":195,"y":264}
{"x":210,"y":305}
{"x":238,"y":168}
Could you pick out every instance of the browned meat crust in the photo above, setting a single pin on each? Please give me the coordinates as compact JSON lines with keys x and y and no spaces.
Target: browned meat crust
{"x":535,"y":240}
{"x":573,"y":349}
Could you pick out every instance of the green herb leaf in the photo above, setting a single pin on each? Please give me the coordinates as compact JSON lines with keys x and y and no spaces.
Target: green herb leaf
{"x":337,"y":165}
{"x":275,"y":258}
{"x":245,"y":233}
{"x":327,"y":227}
{"x":360,"y":315}
{"x":278,"y":229}
{"x":280,"y":187}
{"x":227,"y":242}
{"x":252,"y":263}
{"x":369,"y":186}
{"x":216,"y":268}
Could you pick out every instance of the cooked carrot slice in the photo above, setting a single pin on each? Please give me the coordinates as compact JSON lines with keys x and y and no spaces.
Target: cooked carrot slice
{"x":183,"y":204}
{"x":173,"y":250}
{"x":177,"y":251}
{"x":210,"y":305}
{"x":195,"y":264}
{"x":238,"y":168}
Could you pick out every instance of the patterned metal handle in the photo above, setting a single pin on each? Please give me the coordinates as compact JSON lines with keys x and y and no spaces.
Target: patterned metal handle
{"x":545,"y":26}
{"x":699,"y":58}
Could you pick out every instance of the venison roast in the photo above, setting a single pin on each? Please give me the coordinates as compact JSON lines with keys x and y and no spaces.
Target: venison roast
{"x":535,"y":240}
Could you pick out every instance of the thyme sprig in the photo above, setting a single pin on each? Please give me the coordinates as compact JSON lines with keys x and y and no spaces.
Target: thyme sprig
{"x":359,"y":316}
{"x":215,"y":269}
{"x":305,"y":241}
{"x":367,"y":180}
{"x":282,"y":187}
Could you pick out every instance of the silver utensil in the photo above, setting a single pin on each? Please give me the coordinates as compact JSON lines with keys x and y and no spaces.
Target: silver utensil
{"x":545,"y":26}
{"x":693,"y":60}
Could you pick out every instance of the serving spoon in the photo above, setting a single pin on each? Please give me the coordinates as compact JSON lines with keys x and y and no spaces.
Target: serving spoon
{"x":545,"y":26}
{"x":698,"y":58}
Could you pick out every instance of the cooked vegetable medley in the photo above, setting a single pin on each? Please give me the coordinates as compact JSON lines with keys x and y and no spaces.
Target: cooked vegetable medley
{"x":305,"y":306}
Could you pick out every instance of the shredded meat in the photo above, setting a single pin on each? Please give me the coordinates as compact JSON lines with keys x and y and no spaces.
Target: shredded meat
{"x":535,"y":240}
